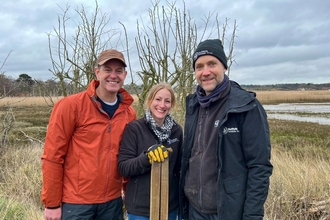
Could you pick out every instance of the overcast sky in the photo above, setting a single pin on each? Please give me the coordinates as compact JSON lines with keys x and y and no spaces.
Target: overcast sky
{"x":278,"y":41}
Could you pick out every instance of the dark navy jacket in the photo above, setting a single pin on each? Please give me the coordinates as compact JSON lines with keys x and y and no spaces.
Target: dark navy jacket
{"x":134,"y":163}
{"x":243,"y":155}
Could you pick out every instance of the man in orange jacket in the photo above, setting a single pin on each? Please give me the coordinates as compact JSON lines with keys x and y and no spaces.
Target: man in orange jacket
{"x":79,"y":163}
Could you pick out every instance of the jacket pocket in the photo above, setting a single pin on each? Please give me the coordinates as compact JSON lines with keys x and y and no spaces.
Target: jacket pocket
{"x":138,"y":194}
{"x":234,"y":198}
{"x":235,"y":185}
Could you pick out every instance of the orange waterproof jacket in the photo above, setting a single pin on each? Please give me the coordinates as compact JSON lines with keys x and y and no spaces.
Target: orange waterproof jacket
{"x":79,"y":163}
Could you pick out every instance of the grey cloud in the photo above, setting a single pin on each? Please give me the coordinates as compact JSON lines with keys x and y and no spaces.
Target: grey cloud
{"x":277,"y":41}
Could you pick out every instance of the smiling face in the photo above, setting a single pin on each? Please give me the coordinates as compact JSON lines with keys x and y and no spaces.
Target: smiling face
{"x":111,"y":75}
{"x":161,"y":105}
{"x":209,"y":72}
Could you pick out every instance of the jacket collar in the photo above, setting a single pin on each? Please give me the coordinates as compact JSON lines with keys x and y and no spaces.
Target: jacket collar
{"x":124,"y":97}
{"x":238,"y":97}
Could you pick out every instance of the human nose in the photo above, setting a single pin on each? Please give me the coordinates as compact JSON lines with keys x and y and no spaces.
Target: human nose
{"x":162,"y":104}
{"x":206,"y":71}
{"x":113,"y":74}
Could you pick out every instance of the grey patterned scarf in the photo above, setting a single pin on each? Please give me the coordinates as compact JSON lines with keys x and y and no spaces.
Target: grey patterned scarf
{"x":163,"y":132}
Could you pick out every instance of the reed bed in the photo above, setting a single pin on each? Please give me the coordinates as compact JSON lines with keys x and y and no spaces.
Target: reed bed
{"x":297,"y":186}
{"x":298,"y":182}
{"x":20,"y":182}
{"x":300,"y":156}
{"x":275,"y":97}
{"x":265,"y":97}
{"x":28,"y":101}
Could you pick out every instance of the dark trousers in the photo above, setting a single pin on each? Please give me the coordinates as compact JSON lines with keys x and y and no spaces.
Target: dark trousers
{"x":196,"y":215}
{"x":111,"y":210}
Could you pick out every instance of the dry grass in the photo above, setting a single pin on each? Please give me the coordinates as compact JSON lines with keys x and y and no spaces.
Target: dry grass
{"x":12,"y":209}
{"x":33,"y":101}
{"x":300,"y":155}
{"x":296,"y":184}
{"x":265,"y":97}
{"x":27,"y":101}
{"x":301,"y":160}
{"x":20,"y":183}
{"x":273,"y":97}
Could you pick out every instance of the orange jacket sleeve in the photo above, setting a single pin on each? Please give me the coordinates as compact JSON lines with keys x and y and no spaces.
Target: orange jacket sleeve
{"x":59,"y":131}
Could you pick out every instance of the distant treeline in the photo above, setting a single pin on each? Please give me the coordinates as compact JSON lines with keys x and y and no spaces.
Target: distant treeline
{"x":289,"y":86}
{"x":24,"y":85}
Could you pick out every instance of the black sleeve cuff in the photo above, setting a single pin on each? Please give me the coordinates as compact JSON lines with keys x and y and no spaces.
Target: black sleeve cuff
{"x":53,"y":207}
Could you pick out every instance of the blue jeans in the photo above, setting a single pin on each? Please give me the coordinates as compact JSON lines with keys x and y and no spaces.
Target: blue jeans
{"x":171,"y":216}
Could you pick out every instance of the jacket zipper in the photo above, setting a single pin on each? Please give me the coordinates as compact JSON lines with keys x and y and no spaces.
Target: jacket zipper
{"x":109,"y":153}
{"x":201,"y":150}
{"x":108,"y":161}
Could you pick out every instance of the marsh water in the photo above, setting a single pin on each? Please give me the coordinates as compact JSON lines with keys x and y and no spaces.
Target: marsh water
{"x":308,"y":112}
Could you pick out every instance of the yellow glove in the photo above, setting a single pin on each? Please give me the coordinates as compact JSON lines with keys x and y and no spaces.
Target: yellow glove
{"x":157,"y":153}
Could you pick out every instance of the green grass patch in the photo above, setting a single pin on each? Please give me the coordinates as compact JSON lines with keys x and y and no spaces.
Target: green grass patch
{"x":10,"y":209}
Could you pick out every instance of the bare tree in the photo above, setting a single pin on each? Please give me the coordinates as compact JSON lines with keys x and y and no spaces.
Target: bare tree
{"x":74,"y":57}
{"x":7,"y":86}
{"x":6,"y":125}
{"x":2,"y":63}
{"x":165,"y":47}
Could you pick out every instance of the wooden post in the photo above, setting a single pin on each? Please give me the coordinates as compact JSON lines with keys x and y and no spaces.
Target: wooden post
{"x":159,"y":190}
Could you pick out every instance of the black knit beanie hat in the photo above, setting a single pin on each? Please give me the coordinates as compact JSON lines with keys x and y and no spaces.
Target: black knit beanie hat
{"x":210,"y":47}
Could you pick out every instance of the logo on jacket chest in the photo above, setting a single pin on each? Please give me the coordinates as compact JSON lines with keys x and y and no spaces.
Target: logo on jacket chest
{"x":171,"y":141}
{"x":230,"y":130}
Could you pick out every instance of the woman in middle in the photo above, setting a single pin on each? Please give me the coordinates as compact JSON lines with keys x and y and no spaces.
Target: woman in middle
{"x":155,"y":128}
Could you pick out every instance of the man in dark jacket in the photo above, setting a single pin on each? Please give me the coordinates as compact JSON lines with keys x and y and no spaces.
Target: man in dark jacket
{"x":226,"y":154}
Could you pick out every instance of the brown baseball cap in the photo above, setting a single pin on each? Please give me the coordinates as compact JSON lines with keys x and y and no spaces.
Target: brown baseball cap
{"x":109,"y":55}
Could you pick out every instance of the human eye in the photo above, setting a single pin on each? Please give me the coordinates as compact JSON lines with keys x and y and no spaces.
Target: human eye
{"x":120,"y":71}
{"x":212,"y":63}
{"x":107,"y":70}
{"x":198,"y":67}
